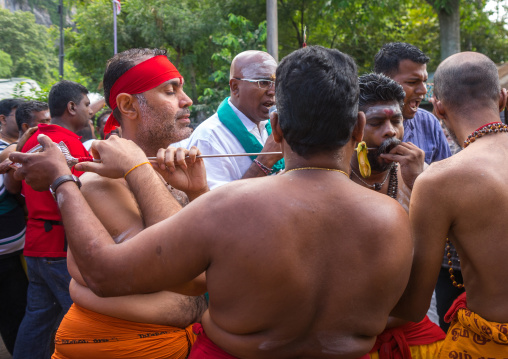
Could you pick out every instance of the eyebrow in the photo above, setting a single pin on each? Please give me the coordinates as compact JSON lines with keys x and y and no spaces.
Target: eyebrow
{"x":383,"y":118}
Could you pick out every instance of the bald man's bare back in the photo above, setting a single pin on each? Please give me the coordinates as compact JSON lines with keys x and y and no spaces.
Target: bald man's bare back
{"x":465,"y":198}
{"x":115,"y":206}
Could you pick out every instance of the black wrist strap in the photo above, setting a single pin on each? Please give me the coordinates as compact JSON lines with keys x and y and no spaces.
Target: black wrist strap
{"x":61,"y":180}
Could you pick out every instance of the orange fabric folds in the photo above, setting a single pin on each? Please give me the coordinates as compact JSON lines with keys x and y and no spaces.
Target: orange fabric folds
{"x":470,"y":336}
{"x":84,"y":334}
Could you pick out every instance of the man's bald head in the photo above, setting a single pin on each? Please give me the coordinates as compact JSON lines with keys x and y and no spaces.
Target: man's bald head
{"x":466,"y":80}
{"x":249,"y":64}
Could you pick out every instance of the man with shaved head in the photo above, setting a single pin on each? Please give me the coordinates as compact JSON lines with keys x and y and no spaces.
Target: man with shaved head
{"x":241,"y":123}
{"x":464,"y":199}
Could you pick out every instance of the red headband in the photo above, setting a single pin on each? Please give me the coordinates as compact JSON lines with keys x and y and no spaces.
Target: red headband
{"x":138,"y":79}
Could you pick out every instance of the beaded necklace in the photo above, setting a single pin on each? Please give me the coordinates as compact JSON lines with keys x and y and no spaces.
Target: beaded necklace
{"x":450,"y":270}
{"x":489,"y":128}
{"x":317,"y":168}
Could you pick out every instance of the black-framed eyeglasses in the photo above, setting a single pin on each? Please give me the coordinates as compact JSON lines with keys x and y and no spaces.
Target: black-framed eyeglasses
{"x":262,"y":84}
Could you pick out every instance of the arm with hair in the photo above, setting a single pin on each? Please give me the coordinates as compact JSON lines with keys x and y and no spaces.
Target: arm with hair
{"x":170,"y":253}
{"x":162,"y":308}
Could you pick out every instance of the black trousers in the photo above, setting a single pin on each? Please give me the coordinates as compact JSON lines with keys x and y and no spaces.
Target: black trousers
{"x":13,"y":288}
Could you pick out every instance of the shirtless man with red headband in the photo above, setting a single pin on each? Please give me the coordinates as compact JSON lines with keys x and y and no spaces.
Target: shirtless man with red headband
{"x":299,"y":265}
{"x":145,"y":92}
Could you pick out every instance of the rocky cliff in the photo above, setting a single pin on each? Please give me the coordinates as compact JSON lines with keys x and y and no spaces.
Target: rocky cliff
{"x":42,"y":15}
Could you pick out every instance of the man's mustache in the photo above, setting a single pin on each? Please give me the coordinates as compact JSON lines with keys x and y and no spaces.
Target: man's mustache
{"x":388,"y":145}
{"x":182,"y":113}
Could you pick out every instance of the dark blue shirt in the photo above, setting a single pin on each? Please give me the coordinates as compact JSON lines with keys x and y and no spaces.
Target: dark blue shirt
{"x":424,"y":131}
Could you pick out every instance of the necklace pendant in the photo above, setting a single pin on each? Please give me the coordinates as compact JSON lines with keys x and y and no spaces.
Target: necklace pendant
{"x":377,"y":186}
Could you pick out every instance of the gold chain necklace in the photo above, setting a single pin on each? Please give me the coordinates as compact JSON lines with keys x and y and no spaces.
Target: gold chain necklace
{"x":317,"y":168}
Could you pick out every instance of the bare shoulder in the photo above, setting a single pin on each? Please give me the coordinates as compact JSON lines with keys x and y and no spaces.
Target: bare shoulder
{"x":106,"y":196}
{"x":95,"y":187}
{"x":382,"y":212}
{"x":454,"y":174}
{"x":243,"y":191}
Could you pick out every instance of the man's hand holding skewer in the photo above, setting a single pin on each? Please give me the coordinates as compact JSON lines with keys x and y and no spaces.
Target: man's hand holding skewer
{"x":39,"y":170}
{"x":118,"y":156}
{"x":182,"y":169}
{"x":179,"y":167}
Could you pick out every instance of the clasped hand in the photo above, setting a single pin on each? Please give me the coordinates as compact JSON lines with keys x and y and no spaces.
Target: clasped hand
{"x":179,"y":167}
{"x":411,"y":160}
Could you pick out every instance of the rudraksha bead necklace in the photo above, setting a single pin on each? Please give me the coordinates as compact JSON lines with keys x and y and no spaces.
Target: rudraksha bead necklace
{"x":489,"y":128}
{"x":450,"y":270}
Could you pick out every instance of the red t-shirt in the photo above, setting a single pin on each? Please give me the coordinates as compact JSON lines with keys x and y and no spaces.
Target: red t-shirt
{"x":43,"y":238}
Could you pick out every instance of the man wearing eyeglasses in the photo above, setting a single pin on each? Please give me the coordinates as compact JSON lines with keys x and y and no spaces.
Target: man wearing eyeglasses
{"x":241,"y":123}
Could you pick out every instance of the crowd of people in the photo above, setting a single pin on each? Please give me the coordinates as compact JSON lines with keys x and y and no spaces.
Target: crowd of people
{"x":278,"y":245}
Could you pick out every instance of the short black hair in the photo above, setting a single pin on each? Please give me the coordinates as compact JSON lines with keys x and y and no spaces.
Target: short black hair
{"x":8,"y":104}
{"x":25,"y":112}
{"x":104,"y":114}
{"x":375,"y":88}
{"x":62,"y":93}
{"x":120,"y":64}
{"x":317,"y":99}
{"x":467,"y":82}
{"x":387,"y":60}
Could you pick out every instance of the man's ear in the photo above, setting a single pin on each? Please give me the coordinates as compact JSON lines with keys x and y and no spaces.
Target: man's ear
{"x":357,"y":135}
{"x":128,"y":106}
{"x":71,"y":107}
{"x":2,"y":120}
{"x":439,"y":109}
{"x":276,"y":130}
{"x":502,"y":99}
{"x":233,"y":87}
{"x":24,"y":127}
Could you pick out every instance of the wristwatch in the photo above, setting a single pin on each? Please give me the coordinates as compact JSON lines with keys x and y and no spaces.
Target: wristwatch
{"x":63,"y":179}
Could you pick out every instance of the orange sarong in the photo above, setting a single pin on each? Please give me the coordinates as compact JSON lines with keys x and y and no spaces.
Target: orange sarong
{"x":86,"y":334}
{"x":472,"y":337}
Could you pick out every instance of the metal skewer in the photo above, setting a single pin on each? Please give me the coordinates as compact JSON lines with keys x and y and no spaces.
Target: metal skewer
{"x":71,"y":160}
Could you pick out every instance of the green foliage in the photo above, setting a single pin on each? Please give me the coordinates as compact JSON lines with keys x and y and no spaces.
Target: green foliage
{"x":39,"y":95}
{"x":479,"y":33}
{"x":92,"y":44}
{"x":203,"y":36}
{"x":51,"y":6}
{"x":27,"y":43}
{"x":243,"y":36}
{"x":5,"y":64}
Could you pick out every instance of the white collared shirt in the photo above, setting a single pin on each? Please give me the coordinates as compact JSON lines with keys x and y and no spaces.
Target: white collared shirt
{"x":212,"y":137}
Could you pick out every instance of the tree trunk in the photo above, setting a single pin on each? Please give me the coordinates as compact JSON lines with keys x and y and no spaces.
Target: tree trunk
{"x":449,"y":29}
